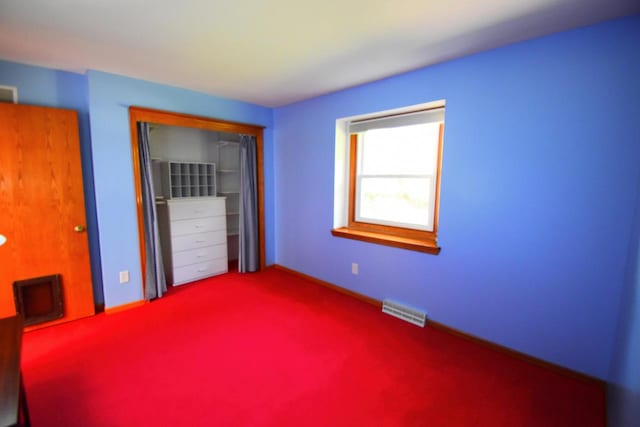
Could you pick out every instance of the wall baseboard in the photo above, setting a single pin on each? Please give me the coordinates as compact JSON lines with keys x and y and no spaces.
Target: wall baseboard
{"x":442,"y":327}
{"x":517,"y":354}
{"x":117,"y":308}
{"x":336,"y":288}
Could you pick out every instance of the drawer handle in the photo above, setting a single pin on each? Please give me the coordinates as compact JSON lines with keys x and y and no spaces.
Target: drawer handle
{"x":198,"y":211}
{"x":200,"y":241}
{"x":199,"y":255}
{"x":198,"y":226}
{"x":202,"y":270}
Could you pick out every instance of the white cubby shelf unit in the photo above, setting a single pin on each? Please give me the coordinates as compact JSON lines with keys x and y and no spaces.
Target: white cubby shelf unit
{"x":188,"y":179}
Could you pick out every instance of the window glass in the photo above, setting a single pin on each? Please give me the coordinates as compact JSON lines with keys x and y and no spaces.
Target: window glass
{"x":396,"y":201}
{"x":395,"y":182}
{"x":402,"y":150}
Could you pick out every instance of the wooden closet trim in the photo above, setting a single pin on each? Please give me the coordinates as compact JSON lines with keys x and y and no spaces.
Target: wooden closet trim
{"x":140,"y":114}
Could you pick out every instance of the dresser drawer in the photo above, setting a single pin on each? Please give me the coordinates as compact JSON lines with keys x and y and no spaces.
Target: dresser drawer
{"x":197,"y":271}
{"x":196,"y":208}
{"x":193,"y":241}
{"x":198,"y":225}
{"x":194,"y":256}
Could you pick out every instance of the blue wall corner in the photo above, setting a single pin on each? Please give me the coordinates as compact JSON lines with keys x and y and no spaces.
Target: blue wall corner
{"x":624,"y":388}
{"x":538,"y":189}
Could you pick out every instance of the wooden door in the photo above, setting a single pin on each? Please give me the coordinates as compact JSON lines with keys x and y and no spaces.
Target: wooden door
{"x":42,"y":206}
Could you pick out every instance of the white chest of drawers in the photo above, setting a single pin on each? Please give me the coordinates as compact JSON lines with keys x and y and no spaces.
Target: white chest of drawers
{"x":194,"y":238}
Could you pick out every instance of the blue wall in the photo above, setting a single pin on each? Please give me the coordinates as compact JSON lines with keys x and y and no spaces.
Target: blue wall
{"x":52,"y":88}
{"x":624,"y":389}
{"x":539,"y":183}
{"x":109,"y":99}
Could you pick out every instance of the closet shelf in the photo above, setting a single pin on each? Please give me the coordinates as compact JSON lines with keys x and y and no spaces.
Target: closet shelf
{"x":188,"y":179}
{"x":223,"y":143}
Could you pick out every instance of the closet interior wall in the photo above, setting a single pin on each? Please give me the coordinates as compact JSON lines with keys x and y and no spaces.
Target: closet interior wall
{"x":190,"y":145}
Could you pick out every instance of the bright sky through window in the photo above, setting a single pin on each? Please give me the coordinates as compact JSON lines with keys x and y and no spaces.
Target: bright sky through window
{"x":395,"y":183}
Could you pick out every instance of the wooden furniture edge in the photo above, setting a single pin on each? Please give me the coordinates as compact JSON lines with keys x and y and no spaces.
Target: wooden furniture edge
{"x":123,"y":307}
{"x":11,"y":385}
{"x":452,"y":331}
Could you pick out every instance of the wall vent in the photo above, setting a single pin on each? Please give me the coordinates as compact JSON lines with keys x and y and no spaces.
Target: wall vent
{"x":9,"y":94}
{"x":405,"y":313}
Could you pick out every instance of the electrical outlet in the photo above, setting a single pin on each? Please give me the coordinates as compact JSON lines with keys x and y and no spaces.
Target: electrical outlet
{"x":354,"y":268}
{"x":124,"y":276}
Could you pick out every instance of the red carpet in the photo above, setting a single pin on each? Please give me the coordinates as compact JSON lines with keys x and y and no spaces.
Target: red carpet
{"x":270,"y":349}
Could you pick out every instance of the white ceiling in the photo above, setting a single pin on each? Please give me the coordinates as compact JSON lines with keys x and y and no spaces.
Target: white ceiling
{"x":274,"y":52}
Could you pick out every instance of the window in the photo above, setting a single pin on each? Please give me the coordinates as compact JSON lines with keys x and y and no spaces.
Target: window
{"x":393,"y":179}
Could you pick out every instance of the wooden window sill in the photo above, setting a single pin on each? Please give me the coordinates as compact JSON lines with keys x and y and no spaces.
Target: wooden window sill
{"x":419,"y":245}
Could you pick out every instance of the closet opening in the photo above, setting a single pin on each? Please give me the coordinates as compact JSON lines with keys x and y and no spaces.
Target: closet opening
{"x":207,"y":202}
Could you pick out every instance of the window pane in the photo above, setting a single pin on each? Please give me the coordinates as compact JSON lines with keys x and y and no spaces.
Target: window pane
{"x":408,"y":150}
{"x":408,"y":201}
